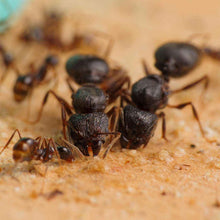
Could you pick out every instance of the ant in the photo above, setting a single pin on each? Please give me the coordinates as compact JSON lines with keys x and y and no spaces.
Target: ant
{"x":148,"y":95}
{"x":49,"y":34}
{"x":43,"y":149}
{"x":88,"y":127}
{"x":176,"y":59}
{"x":25,"y":83}
{"x":84,"y":69}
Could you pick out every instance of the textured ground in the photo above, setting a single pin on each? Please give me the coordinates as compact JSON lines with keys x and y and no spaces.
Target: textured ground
{"x":165,"y":180}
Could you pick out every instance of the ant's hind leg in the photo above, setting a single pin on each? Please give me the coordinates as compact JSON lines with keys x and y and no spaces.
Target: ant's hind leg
{"x":162,"y":115}
{"x":63,"y":103}
{"x":145,"y":67}
{"x":9,"y":140}
{"x":195,"y":114}
{"x":204,"y":79}
{"x":112,"y":142}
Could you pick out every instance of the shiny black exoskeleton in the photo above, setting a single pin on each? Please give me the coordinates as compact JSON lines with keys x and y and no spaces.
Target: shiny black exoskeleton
{"x":88,"y":99}
{"x":88,"y":128}
{"x":87,"y":69}
{"x":150,"y":93}
{"x":84,"y":69}
{"x":136,"y":127}
{"x":176,"y":59}
{"x":86,"y":131}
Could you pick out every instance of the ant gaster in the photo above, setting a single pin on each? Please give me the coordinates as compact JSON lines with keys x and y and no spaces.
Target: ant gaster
{"x":84,"y":69}
{"x":176,"y":59}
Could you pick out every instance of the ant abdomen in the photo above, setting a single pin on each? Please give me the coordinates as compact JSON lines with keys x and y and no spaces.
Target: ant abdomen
{"x":176,"y":59}
{"x":23,"y":149}
{"x":22,"y":87}
{"x":87,"y":69}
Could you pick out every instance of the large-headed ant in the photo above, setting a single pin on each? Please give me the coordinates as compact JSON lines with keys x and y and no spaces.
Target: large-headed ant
{"x":149,"y":95}
{"x":43,"y":149}
{"x":176,"y":59}
{"x":89,"y":126}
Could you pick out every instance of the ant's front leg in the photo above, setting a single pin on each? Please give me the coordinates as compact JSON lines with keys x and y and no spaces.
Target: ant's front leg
{"x":63,"y":103}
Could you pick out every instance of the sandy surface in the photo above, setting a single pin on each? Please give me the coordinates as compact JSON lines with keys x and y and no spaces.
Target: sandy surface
{"x":165,"y":180}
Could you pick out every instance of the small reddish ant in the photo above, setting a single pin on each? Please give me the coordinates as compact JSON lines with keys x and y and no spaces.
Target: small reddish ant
{"x":43,"y":149}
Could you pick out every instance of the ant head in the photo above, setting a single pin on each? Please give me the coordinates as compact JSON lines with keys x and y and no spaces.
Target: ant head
{"x":52,"y":60}
{"x":150,"y":93}
{"x":137,"y":128}
{"x":89,"y":99}
{"x":23,"y":149}
{"x":87,"y":69}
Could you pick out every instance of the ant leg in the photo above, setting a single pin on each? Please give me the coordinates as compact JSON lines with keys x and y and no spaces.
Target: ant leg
{"x":145,"y":67}
{"x":67,"y":107}
{"x":9,"y":140}
{"x":113,"y":114}
{"x":114,"y":83}
{"x":195,"y":114}
{"x":51,"y":141}
{"x":112,"y":142}
{"x":213,"y":53}
{"x":204,"y":79}
{"x":109,"y":45}
{"x":206,"y":37}
{"x":68,"y":81}
{"x":64,"y":123}
{"x":162,"y":115}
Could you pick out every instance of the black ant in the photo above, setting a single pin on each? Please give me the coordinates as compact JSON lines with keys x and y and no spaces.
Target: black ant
{"x":89,"y":126}
{"x":148,"y":94}
{"x":176,"y":59}
{"x":84,"y":69}
{"x":43,"y":149}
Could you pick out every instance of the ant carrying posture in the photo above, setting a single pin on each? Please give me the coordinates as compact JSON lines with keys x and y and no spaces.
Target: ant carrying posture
{"x":176,"y":59}
{"x":149,"y":94}
{"x":89,"y":126}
